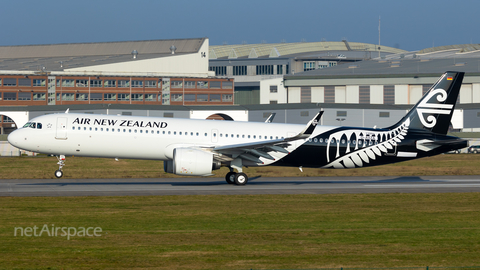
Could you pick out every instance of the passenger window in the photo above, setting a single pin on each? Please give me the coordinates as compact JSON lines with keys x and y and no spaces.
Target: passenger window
{"x":73,"y":128}
{"x":101,"y":129}
{"x":321,"y":140}
{"x":191,"y":133}
{"x":130,"y":131}
{"x":90,"y":129}
{"x":180,"y":133}
{"x":205,"y":134}
{"x":84,"y":128}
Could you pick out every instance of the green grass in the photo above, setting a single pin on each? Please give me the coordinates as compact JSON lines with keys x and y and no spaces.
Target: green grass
{"x":243,"y":232}
{"x":80,"y":167}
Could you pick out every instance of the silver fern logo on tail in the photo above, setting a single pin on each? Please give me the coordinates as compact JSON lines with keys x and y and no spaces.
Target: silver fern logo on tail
{"x":425,"y":108}
{"x":377,"y":144}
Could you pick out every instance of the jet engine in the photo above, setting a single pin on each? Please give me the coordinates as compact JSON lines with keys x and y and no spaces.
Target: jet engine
{"x":191,"y":161}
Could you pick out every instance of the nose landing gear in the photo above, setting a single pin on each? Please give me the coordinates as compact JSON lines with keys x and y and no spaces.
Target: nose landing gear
{"x":61,"y":163}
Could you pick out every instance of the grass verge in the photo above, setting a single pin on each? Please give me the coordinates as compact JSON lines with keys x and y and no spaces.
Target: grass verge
{"x":81,"y":167}
{"x":243,"y":232}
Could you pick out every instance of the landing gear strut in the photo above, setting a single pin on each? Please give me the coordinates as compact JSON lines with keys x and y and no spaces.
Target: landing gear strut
{"x":61,"y":163}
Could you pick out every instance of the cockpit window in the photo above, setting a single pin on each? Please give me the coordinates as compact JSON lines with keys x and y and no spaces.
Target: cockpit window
{"x":33,"y":125}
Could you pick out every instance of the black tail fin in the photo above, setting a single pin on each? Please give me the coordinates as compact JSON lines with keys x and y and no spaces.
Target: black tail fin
{"x":434,"y":110}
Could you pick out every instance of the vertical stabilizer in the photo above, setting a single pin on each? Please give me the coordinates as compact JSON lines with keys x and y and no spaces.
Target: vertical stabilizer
{"x":434,"y":110}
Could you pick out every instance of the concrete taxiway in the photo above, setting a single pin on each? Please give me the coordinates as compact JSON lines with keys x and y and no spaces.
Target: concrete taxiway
{"x":256,"y":185}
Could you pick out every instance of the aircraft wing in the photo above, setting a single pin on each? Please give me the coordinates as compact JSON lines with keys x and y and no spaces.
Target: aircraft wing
{"x":271,"y":150}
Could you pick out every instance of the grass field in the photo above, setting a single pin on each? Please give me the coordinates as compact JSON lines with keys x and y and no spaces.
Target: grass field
{"x":81,"y":167}
{"x":243,"y":232}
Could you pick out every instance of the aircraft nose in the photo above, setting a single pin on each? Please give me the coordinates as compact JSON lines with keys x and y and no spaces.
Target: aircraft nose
{"x":15,"y":138}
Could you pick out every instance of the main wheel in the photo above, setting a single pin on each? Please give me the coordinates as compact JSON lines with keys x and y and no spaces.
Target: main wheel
{"x":58,"y":173}
{"x":230,"y":178}
{"x":241,"y":179}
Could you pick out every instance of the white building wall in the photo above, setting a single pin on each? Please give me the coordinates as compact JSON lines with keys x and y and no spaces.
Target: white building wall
{"x":195,"y":64}
{"x":318,"y":94}
{"x":401,"y":94}
{"x":475,"y":93}
{"x":466,"y":93}
{"x":20,"y":118}
{"x":376,"y":94}
{"x":353,"y":94}
{"x":294,"y":95}
{"x":415,"y":94}
{"x":340,"y":94}
{"x":266,"y":96}
{"x":235,"y":115}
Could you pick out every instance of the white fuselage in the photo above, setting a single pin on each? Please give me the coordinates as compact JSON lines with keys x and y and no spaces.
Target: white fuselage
{"x":140,"y":137}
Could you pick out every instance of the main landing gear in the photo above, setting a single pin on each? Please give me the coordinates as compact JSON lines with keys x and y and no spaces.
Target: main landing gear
{"x":239,"y":179}
{"x":61,"y":163}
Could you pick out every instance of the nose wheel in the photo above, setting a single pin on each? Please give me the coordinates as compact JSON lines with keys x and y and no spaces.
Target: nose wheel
{"x":61,"y":163}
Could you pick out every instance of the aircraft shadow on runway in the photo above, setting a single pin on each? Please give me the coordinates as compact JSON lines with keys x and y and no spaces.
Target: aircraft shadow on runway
{"x":253,"y":181}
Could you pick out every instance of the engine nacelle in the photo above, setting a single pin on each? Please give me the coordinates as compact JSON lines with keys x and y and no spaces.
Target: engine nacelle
{"x":191,"y":161}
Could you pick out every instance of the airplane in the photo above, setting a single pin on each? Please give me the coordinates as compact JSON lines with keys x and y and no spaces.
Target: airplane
{"x":197,"y":147}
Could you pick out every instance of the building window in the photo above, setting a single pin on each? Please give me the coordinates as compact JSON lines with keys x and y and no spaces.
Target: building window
{"x":24,"y":96}
{"x":81,"y":83}
{"x":123,"y":83}
{"x":123,"y":97}
{"x":68,"y":97}
{"x":227,"y":85}
{"x":239,"y":70}
{"x":150,"y":97}
{"x":265,"y":70}
{"x":310,"y":65}
{"x":24,"y":82}
{"x":189,"y":97}
{"x":388,"y":94}
{"x":273,"y":89}
{"x":219,"y":71}
{"x":364,"y":94}
{"x":151,"y":84}
{"x":109,"y":97}
{"x":280,"y":69}
{"x":305,"y":94}
{"x":478,"y":114}
{"x":137,"y":97}
{"x":304,"y":113}
{"x":215,"y":85}
{"x":190,"y":84}
{"x":202,"y":97}
{"x":425,"y":88}
{"x":202,"y":84}
{"x":227,"y":98}
{"x":384,"y":114}
{"x":214,"y":97}
{"x":137,"y":84}
{"x":109,"y":83}
{"x":176,"y":84}
{"x":7,"y":119}
{"x":126,"y":113}
{"x":168,"y":114}
{"x":177,"y":97}
{"x":39,"y":96}
{"x":96,"y":96}
{"x":287,"y":69}
{"x":341,"y":113}
{"x":82,"y":96}
{"x":65,"y":83}
{"x":95,"y":83}
{"x":9,"y":82}
{"x":273,"y":101}
{"x":9,"y":96}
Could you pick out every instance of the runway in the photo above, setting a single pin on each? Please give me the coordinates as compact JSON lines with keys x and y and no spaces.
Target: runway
{"x":256,"y":185}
